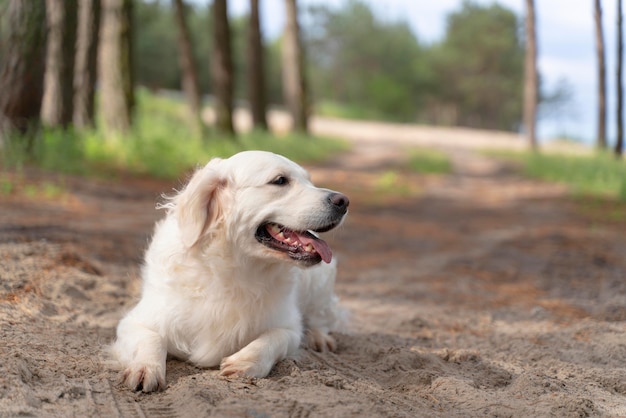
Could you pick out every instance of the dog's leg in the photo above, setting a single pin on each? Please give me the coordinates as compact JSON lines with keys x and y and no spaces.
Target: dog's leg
{"x":320,"y":340}
{"x":142,"y":351}
{"x":257,"y":358}
{"x":320,"y":307}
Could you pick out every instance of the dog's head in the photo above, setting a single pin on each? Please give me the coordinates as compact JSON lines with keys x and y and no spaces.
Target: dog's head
{"x":262,"y":205}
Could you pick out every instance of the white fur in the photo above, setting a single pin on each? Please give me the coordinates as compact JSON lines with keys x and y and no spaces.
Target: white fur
{"x":215,"y":296}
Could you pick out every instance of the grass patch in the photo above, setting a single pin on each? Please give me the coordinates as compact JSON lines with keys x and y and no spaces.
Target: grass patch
{"x":392,"y":183}
{"x":395,"y":182}
{"x":7,"y":186}
{"x":588,"y":175}
{"x":600,"y":210}
{"x":341,"y":111}
{"x":161,"y":144}
{"x":429,"y":161}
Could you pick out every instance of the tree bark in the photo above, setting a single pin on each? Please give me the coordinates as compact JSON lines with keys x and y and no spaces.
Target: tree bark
{"x":222,"y":69}
{"x":58,"y":99}
{"x":256,"y":70}
{"x":601,"y":62}
{"x":115,"y":65}
{"x":530,"y":77}
{"x":85,"y":71}
{"x":22,"y":78}
{"x":619,"y":143}
{"x":294,"y":81}
{"x":189,"y":74}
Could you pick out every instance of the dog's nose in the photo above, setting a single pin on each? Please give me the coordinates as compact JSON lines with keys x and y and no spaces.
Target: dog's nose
{"x":340,"y":201}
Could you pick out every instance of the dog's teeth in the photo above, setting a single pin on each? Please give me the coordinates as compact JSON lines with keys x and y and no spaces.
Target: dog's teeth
{"x":274,"y":228}
{"x":308,"y":248}
{"x":281,"y":235}
{"x":288,"y":240}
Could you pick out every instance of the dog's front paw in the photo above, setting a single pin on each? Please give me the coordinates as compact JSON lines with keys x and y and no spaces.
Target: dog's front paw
{"x":319,"y":340}
{"x":235,"y":366}
{"x":147,"y":378}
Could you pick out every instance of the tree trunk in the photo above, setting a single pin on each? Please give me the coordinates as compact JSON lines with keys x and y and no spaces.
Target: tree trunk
{"x":85,"y":71}
{"x":601,"y":132}
{"x":21,"y":81}
{"x":189,"y":74}
{"x":619,"y":143}
{"x":58,"y":99}
{"x":256,"y":70}
{"x":222,"y":69}
{"x":294,"y":83}
{"x":116,"y":78}
{"x":530,"y":77}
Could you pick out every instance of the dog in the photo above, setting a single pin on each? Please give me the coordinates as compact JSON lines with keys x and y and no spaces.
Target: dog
{"x":236,"y":275}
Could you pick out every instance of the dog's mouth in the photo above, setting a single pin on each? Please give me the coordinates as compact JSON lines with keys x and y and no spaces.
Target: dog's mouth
{"x":303,"y":246}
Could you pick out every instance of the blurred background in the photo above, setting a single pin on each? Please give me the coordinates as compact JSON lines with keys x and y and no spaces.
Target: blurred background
{"x":123,"y":84}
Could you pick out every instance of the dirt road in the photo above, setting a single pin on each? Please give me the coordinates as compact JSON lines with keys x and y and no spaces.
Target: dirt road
{"x":477,"y":293}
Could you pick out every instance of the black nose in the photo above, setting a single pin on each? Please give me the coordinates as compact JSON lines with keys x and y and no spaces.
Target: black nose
{"x":339,"y":201}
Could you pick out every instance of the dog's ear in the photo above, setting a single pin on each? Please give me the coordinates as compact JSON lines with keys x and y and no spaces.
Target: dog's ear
{"x":200,"y":204}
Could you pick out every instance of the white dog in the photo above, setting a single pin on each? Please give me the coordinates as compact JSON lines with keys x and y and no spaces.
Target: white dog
{"x":233,"y":277}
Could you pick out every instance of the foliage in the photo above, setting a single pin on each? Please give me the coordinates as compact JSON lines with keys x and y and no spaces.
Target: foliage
{"x":359,"y":61}
{"x":155,"y":50}
{"x":161,"y":144}
{"x":429,"y":161}
{"x":479,"y":69}
{"x":363,"y":66}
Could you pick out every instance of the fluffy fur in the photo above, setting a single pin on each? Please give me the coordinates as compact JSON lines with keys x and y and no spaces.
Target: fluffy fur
{"x":218,"y":289}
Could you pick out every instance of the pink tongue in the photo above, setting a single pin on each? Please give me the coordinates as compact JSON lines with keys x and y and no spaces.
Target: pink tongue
{"x":307,"y":238}
{"x":320,"y":246}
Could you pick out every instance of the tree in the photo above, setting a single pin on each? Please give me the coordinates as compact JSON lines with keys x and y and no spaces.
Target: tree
{"x":388,"y":72}
{"x":477,"y":70}
{"x":619,"y":143}
{"x":22,"y":77}
{"x":116,"y":79}
{"x":531,"y":77}
{"x":222,"y":69}
{"x":256,"y":69}
{"x":85,"y":71}
{"x":294,"y":81}
{"x":189,"y":74}
{"x":601,"y":128}
{"x":58,"y":100}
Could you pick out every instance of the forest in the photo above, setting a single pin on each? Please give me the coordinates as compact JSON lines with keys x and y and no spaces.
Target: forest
{"x":391,"y":76}
{"x":473,"y":77}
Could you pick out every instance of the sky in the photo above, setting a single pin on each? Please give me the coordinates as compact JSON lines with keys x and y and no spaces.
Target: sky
{"x":566,"y":48}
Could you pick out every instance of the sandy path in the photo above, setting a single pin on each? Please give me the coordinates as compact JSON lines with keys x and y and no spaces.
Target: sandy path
{"x":478,"y":293}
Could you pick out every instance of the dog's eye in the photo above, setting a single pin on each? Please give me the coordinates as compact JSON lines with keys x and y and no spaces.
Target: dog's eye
{"x":280,"y":181}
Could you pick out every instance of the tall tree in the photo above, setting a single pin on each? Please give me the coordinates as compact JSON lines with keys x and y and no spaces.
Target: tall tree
{"x":189,"y":74}
{"x":222,"y":69}
{"x":294,"y":81}
{"x":85,"y":71}
{"x":601,"y":62}
{"x":58,"y":100}
{"x":115,"y":66}
{"x":256,"y":69}
{"x":531,"y":78}
{"x":619,"y":143}
{"x":22,"y":77}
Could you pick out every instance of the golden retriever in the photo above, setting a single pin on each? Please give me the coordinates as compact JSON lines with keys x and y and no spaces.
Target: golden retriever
{"x":234,"y":275}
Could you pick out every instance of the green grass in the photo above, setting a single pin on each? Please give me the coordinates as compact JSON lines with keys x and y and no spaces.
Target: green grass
{"x":343,"y":111}
{"x":161,"y":144}
{"x":597,"y":174}
{"x":393,"y":182}
{"x":429,"y":161}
